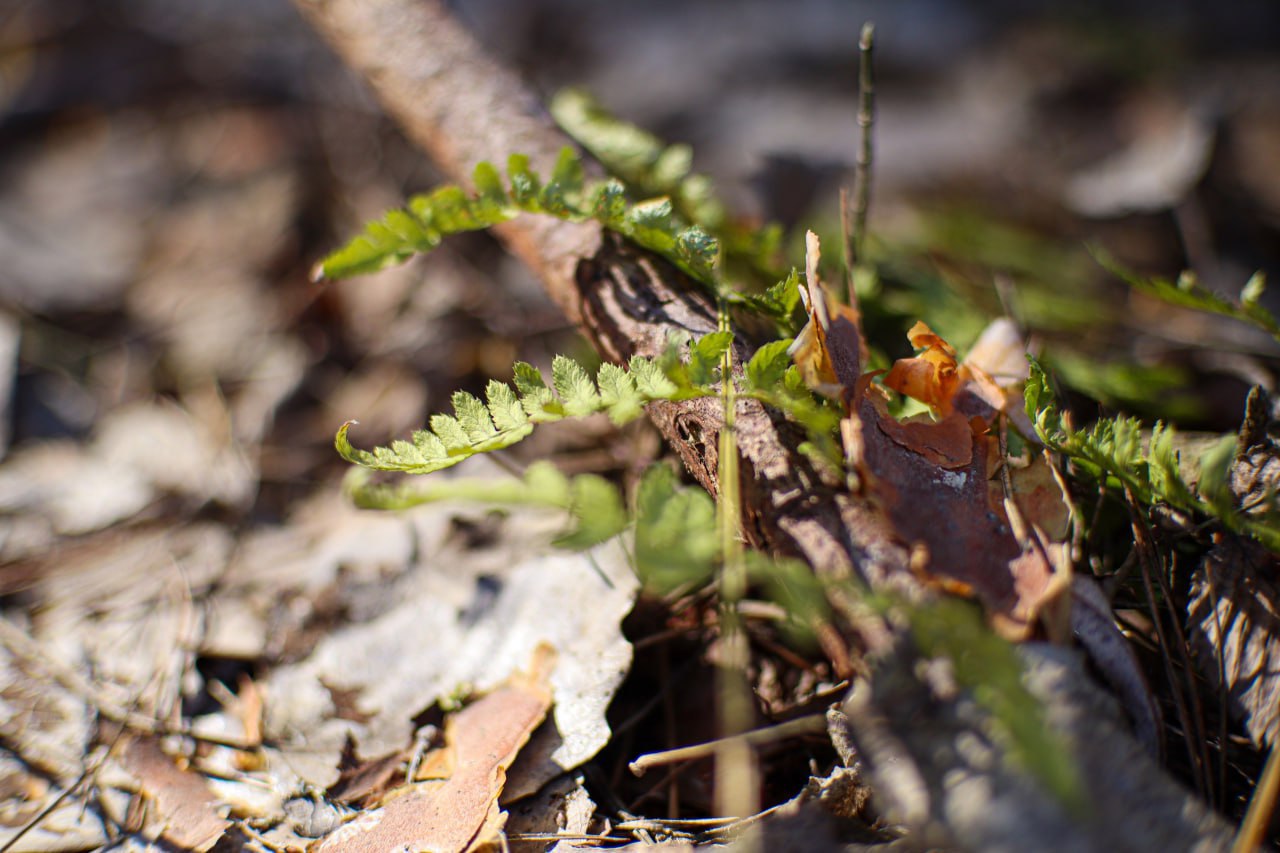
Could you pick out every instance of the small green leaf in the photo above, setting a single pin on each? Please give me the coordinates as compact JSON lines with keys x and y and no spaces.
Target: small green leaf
{"x":488,"y":182}
{"x":429,"y":447}
{"x":609,"y":206}
{"x":769,"y":364}
{"x":536,"y":398}
{"x":704,"y":357}
{"x":407,"y":229}
{"x":526,"y":189}
{"x":1215,"y":475}
{"x":451,"y":433}
{"x":618,"y":394}
{"x":562,"y":194}
{"x":649,"y":224}
{"x":577,"y":391}
{"x":473,"y":417}
{"x":676,"y":540}
{"x":597,"y":512}
{"x":672,"y":165}
{"x":1253,"y":289}
{"x":650,"y":379}
{"x":504,"y":406}
{"x":698,"y":249}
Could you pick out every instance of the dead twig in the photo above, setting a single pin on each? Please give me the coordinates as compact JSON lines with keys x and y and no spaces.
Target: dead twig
{"x":808,"y":725}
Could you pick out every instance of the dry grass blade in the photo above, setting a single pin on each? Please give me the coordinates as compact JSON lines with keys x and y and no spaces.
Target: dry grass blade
{"x":1262,"y":806}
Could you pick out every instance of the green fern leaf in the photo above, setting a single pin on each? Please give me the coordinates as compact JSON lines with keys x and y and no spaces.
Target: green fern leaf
{"x":505,"y":407}
{"x":509,"y":416}
{"x":650,"y":379}
{"x":563,"y":193}
{"x":491,"y":199}
{"x":1253,"y":289}
{"x":672,"y":166}
{"x":609,"y":206}
{"x":768,"y":366}
{"x":649,"y":224}
{"x":597,"y":511}
{"x":419,"y":457}
{"x":618,"y":394}
{"x":676,"y":541}
{"x":473,"y":417}
{"x":451,"y":433}
{"x":536,"y":398}
{"x":1189,"y":293}
{"x":704,"y":357}
{"x":698,"y":249}
{"x":429,"y":447}
{"x":383,"y":244}
{"x":577,"y":391}
{"x":526,"y":188}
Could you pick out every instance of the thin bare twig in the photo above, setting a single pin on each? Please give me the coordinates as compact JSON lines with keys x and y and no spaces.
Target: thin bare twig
{"x":855,"y":225}
{"x":808,"y":725}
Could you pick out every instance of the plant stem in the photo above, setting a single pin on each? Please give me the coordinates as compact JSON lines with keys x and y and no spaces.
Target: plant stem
{"x":855,"y":225}
{"x":736,"y":777}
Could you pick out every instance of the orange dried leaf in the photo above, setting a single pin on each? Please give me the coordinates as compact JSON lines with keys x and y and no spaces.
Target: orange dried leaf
{"x":186,"y":811}
{"x":933,"y":376}
{"x":460,"y":813}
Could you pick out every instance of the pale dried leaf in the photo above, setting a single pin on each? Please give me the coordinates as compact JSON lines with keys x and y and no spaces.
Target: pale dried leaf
{"x":447,"y":621}
{"x":1234,"y":623}
{"x":455,"y":815}
{"x":186,"y":812}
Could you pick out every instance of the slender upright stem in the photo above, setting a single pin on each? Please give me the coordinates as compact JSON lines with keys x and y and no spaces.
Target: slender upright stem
{"x":736,"y":778}
{"x":1253,"y":829}
{"x":855,"y":223}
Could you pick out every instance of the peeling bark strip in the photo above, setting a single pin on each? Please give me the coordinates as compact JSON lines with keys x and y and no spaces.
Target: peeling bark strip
{"x":461,"y":107}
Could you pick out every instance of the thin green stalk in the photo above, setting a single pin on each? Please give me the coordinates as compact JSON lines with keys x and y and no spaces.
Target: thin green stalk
{"x":736,"y":784}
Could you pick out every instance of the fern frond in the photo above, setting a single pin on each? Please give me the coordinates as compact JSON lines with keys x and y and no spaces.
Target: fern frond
{"x":427,"y":219}
{"x":650,"y":168}
{"x":1187,"y":292}
{"x":1113,"y":450}
{"x":507,"y":415}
